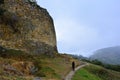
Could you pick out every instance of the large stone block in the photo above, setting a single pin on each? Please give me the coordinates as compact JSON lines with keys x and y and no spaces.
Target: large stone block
{"x":26,"y":27}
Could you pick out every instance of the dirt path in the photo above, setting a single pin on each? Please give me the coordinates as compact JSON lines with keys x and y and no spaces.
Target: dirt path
{"x":71,"y":73}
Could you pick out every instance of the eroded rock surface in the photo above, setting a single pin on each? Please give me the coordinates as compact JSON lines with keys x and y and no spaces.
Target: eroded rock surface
{"x":26,"y":26}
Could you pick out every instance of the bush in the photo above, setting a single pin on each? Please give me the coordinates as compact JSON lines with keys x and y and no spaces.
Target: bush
{"x":107,"y":66}
{"x":1,"y":11}
{"x":97,"y":62}
{"x":112,"y":67}
{"x":33,"y":3}
{"x":1,"y":1}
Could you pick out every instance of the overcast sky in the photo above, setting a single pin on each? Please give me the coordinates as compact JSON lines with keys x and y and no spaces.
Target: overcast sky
{"x":83,"y":26}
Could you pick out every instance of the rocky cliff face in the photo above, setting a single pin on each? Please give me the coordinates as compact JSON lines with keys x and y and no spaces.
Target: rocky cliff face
{"x":26,"y":26}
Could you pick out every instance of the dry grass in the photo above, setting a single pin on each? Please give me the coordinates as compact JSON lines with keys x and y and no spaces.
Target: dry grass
{"x":48,"y":68}
{"x":60,"y":66}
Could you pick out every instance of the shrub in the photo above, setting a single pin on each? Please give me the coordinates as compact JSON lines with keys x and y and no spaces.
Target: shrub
{"x":1,"y":1}
{"x":97,"y":62}
{"x":1,"y":11}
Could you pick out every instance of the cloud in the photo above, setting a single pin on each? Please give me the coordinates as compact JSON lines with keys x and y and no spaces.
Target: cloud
{"x":83,"y":26}
{"x":72,"y":36}
{"x":70,"y":29}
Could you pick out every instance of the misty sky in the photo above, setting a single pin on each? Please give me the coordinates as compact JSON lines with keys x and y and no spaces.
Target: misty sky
{"x":83,"y":26}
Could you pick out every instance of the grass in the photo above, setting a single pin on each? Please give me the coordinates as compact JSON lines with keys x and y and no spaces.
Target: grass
{"x":56,"y":68}
{"x":93,"y":72}
{"x":14,"y":78}
{"x":46,"y":67}
{"x":83,"y":74}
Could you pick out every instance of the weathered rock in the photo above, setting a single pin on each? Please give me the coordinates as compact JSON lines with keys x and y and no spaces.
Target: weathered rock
{"x":26,"y":26}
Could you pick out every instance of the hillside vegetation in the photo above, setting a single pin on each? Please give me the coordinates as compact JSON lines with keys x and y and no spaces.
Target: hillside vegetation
{"x":110,"y":55}
{"x":93,"y":72}
{"x":17,"y":65}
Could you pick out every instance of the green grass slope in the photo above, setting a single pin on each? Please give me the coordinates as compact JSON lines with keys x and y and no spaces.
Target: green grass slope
{"x":93,"y":72}
{"x":83,"y":74}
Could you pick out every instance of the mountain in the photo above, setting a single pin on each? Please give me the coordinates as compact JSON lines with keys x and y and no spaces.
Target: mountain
{"x":26,"y":26}
{"x":110,"y":55}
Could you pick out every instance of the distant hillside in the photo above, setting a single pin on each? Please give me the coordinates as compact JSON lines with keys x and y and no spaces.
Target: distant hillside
{"x":109,"y":55}
{"x":80,"y":57}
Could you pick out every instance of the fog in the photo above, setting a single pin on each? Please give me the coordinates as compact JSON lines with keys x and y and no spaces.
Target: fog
{"x":83,"y":26}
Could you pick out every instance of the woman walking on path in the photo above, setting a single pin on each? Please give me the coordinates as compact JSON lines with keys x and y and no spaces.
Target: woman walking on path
{"x":73,"y":66}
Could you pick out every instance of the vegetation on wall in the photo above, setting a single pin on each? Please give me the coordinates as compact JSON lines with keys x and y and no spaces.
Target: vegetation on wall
{"x":32,"y":2}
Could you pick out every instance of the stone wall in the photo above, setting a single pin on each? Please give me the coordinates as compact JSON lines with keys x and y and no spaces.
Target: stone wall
{"x":26,"y":27}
